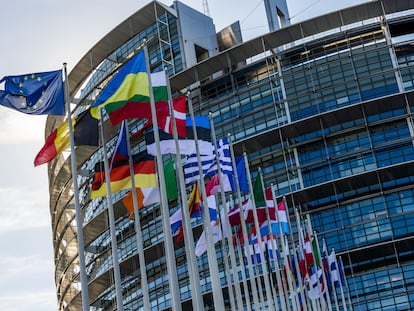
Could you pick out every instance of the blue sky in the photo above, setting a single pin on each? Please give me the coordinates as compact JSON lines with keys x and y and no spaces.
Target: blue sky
{"x":40,"y":36}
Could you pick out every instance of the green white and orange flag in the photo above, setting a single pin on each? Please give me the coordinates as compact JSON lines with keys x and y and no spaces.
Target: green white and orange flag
{"x":127,"y":94}
{"x":120,"y":178}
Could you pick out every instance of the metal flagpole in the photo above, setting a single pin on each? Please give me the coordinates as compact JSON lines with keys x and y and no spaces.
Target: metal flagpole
{"x":79,"y":222}
{"x":301,"y":247}
{"x":168,"y":242}
{"x":211,"y":251}
{"x":300,"y":279}
{"x":285,"y":249}
{"x":193,"y":272}
{"x":259,"y":236}
{"x":244,"y":232}
{"x":276,"y":259}
{"x":271,"y":234}
{"x":245,"y":286}
{"x":137,"y":223}
{"x":240,"y":253}
{"x":226,"y":220}
{"x":227,"y":269}
{"x":323,"y":288}
{"x":340,"y":281}
{"x":112,"y":229}
{"x":332,"y":285}
{"x":309,"y":230}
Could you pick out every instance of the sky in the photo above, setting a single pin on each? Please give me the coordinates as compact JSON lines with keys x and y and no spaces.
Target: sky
{"x":41,"y":35}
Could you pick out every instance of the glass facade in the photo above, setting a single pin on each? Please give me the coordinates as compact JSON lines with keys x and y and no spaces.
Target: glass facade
{"x":327,"y":118}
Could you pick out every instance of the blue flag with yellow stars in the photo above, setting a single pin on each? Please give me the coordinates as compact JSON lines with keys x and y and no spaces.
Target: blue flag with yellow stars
{"x":35,"y":93}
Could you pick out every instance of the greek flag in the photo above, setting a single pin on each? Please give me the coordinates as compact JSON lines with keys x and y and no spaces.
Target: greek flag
{"x":208,"y":163}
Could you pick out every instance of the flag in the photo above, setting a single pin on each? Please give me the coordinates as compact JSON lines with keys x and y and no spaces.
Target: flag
{"x":209,"y":162}
{"x":247,"y":212}
{"x":282,"y":217}
{"x":308,"y":251}
{"x":120,"y":179}
{"x":316,"y":285}
{"x":272,"y":248}
{"x":165,"y":122}
{"x":315,"y":250}
{"x":333,"y":267}
{"x":119,"y":154}
{"x":145,"y":197}
{"x":259,"y":198}
{"x":85,"y":133}
{"x":201,"y":246}
{"x":36,"y":93}
{"x":149,"y":196}
{"x":253,"y":250}
{"x":193,"y":204}
{"x":213,"y":186}
{"x":325,"y":265}
{"x":241,"y":174}
{"x":127,"y":94}
{"x":170,"y":180}
{"x":186,"y":145}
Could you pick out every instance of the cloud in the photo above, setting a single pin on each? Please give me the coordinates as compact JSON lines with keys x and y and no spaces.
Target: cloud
{"x":22,"y":209}
{"x":18,"y":128}
{"x":24,"y":283}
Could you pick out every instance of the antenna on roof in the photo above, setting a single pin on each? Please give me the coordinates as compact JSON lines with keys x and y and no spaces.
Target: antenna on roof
{"x":205,"y":8}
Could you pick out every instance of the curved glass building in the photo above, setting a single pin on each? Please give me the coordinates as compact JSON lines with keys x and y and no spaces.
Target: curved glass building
{"x":323,"y":107}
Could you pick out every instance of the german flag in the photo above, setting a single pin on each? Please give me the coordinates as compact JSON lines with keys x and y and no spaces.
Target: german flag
{"x":120,"y":178}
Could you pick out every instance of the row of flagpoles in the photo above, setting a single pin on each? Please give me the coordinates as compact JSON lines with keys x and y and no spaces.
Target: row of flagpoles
{"x":250,"y":234}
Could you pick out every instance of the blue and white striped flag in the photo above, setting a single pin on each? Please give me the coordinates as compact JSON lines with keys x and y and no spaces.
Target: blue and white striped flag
{"x":208,"y":162}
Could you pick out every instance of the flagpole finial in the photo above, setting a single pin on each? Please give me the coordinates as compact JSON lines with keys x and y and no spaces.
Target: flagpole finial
{"x":65,"y":64}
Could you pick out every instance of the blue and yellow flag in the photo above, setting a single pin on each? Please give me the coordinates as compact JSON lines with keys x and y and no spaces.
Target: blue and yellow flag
{"x":35,"y":93}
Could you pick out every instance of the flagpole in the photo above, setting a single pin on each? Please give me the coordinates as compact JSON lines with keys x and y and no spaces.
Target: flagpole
{"x":193,"y":272}
{"x":259,"y":236}
{"x":311,"y":234}
{"x":323,"y":274}
{"x":112,"y":229}
{"x":79,"y":222}
{"x":301,"y":284}
{"x":168,"y":242}
{"x":285,"y":249}
{"x":240,"y":253}
{"x":346,"y":284}
{"x":332,"y":285}
{"x":137,"y":223}
{"x":244,"y":231}
{"x":226,"y":219}
{"x":283,"y":302}
{"x":211,"y":251}
{"x":227,"y":272}
{"x":271,"y":234}
{"x":340,"y":282}
{"x":302,"y":247}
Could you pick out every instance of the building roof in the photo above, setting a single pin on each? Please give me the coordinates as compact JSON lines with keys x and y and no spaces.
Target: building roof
{"x":286,"y":35}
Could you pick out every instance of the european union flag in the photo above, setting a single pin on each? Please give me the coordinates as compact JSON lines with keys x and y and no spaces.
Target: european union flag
{"x":35,"y":93}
